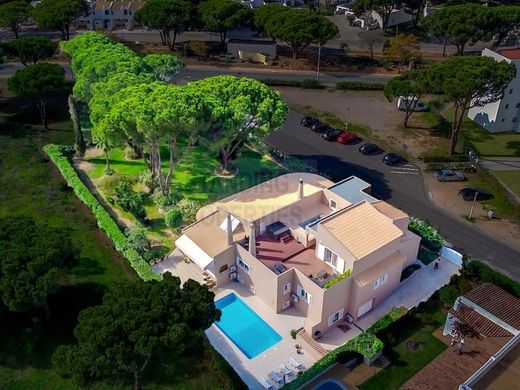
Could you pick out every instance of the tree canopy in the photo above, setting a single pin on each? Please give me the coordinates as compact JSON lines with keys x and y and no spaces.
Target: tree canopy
{"x":163,"y":66}
{"x":30,"y":49}
{"x":169,"y":17}
{"x":244,"y":109}
{"x":136,"y":326}
{"x":32,"y":258}
{"x":297,"y":28}
{"x":402,"y":49}
{"x":412,"y":85}
{"x":59,"y":14}
{"x":13,"y":14}
{"x":39,"y":82}
{"x":469,"y":82}
{"x":462,"y":24}
{"x":222,"y":16}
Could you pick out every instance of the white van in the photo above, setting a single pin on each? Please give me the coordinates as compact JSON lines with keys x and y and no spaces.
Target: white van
{"x":404,"y":100}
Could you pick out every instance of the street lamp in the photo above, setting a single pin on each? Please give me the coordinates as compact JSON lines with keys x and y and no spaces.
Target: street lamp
{"x":473,"y":205}
{"x":347,"y":112}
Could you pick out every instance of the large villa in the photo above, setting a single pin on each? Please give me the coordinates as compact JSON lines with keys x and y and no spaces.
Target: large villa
{"x":332,"y":252}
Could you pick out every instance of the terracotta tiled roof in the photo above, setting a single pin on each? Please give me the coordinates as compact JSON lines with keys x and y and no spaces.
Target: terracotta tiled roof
{"x":389,"y":210}
{"x":120,"y":5}
{"x":512,"y":54}
{"x":448,"y":370}
{"x":101,"y":5}
{"x":497,"y":302}
{"x":361,"y":228}
{"x":135,"y":5}
{"x":481,"y":324}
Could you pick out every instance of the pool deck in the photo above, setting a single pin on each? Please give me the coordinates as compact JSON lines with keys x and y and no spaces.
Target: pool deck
{"x":253,"y":370}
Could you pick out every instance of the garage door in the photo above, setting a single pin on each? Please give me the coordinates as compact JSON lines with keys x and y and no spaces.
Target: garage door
{"x":365,"y":308}
{"x":194,"y":252}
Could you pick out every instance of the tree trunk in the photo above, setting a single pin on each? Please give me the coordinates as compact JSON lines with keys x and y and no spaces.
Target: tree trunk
{"x":444,"y":46}
{"x":460,"y":48}
{"x":80,"y":140}
{"x":455,"y":128}
{"x":225,"y":160}
{"x":173,"y":41}
{"x":43,"y":112}
{"x":171,"y":149}
{"x":107,"y":160}
{"x":137,"y":381}
{"x":407,"y":116}
{"x":223,"y":36}
{"x":15,"y":31}
{"x":294,"y":52}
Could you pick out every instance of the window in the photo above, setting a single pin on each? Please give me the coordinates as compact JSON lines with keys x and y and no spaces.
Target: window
{"x":377,"y":283}
{"x":384,"y":279}
{"x":335,"y":317}
{"x":333,"y":205}
{"x":502,"y":120}
{"x":287,"y":288}
{"x":507,"y":106}
{"x":330,"y":257}
{"x":513,"y":120}
{"x":511,"y":91}
{"x":223,"y":268}
{"x":304,"y":295}
{"x":517,"y":105}
{"x":106,"y":12}
{"x":125,"y":12}
{"x":242,"y":265}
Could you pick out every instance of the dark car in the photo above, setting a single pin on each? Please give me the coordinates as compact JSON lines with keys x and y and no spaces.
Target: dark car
{"x":469,"y":194}
{"x":307,"y":121}
{"x":316,"y":124}
{"x":332,"y":134}
{"x":323,"y":128}
{"x":393,"y":159}
{"x":348,"y":138}
{"x":370,"y":149}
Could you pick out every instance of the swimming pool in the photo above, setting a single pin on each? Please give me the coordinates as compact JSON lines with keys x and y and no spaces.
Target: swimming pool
{"x":251,"y":334}
{"x":329,"y":384}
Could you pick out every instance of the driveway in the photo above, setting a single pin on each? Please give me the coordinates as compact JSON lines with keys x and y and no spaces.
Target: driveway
{"x":403,"y":187}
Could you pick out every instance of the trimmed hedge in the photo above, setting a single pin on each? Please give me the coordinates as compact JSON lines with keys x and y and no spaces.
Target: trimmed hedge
{"x":104,"y":220}
{"x":359,"y":86}
{"x":385,"y":321}
{"x":430,"y":237}
{"x":282,"y":83}
{"x":484,"y":273}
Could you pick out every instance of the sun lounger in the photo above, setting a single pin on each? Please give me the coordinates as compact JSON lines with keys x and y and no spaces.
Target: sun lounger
{"x":286,"y":370}
{"x":266,"y":385}
{"x":296,"y":364}
{"x":275,"y":377}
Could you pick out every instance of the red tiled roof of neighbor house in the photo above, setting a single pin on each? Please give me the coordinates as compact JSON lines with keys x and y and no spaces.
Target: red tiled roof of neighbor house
{"x":101,"y":5}
{"x":481,"y":324}
{"x":448,"y":370}
{"x":120,"y":5}
{"x":512,"y":54}
{"x":497,"y":302}
{"x":135,"y":5}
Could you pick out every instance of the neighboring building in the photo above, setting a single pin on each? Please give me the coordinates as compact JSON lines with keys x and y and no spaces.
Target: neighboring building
{"x":109,"y":15}
{"x":239,"y":48}
{"x":503,"y":115}
{"x":288,"y":239}
{"x":396,"y":18}
{"x":491,"y":362}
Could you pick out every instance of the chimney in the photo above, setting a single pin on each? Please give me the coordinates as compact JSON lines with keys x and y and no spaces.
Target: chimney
{"x":229,"y":230}
{"x":300,"y":188}
{"x":252,"y":239}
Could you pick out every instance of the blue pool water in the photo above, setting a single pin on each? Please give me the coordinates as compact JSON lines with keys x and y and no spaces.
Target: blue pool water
{"x":329,"y":384}
{"x":244,"y":327}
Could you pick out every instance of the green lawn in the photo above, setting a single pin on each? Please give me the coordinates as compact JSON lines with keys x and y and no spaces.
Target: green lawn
{"x":406,"y":362}
{"x":193,"y":177}
{"x":511,"y":179}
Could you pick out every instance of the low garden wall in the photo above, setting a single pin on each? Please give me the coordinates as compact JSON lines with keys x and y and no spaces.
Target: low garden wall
{"x":104,"y":220}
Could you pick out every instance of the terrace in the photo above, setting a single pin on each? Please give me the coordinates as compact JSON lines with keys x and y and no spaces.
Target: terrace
{"x":280,"y":256}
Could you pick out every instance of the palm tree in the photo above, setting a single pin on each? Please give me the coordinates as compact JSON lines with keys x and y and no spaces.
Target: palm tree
{"x":106,"y":144}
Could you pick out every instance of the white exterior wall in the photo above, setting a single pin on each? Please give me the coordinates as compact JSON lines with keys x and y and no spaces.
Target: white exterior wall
{"x":503,"y":115}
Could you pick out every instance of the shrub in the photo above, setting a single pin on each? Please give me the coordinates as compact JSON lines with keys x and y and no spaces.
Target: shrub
{"x":311,"y":84}
{"x":294,"y":333}
{"x":484,"y":273}
{"x":173,"y":218}
{"x":338,"y":278}
{"x":408,"y":271}
{"x":188,"y":208}
{"x":104,"y":220}
{"x":165,"y":201}
{"x":128,"y":199}
{"x":359,"y":86}
{"x":146,"y":178}
{"x":282,"y":83}
{"x":137,"y":239}
{"x":387,"y":320}
{"x":430,"y":237}
{"x":426,"y":256}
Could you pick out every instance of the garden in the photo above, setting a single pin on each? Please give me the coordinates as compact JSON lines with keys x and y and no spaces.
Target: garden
{"x":157,"y":152}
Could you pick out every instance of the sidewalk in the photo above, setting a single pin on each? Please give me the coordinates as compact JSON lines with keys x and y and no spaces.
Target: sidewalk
{"x":501,"y":163}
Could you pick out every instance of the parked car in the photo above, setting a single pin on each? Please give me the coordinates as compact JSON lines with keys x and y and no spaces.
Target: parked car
{"x":469,"y":194}
{"x":316,"y":124}
{"x":448,"y":175}
{"x":332,"y":134}
{"x":307,"y":121}
{"x":348,"y":138}
{"x":393,"y":159}
{"x":370,"y":149}
{"x":323,"y":128}
{"x":416,"y":104}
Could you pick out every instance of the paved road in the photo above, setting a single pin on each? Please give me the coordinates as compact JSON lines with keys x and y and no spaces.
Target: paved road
{"x":197,"y":73}
{"x":402,"y":187}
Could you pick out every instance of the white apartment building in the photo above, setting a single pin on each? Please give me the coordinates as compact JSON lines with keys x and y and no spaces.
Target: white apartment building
{"x":503,"y":115}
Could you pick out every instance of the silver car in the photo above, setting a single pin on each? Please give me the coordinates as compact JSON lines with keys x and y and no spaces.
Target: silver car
{"x":448,"y":175}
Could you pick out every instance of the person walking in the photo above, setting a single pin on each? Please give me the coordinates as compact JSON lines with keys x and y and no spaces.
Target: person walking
{"x":461,"y":346}
{"x":436,"y":265}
